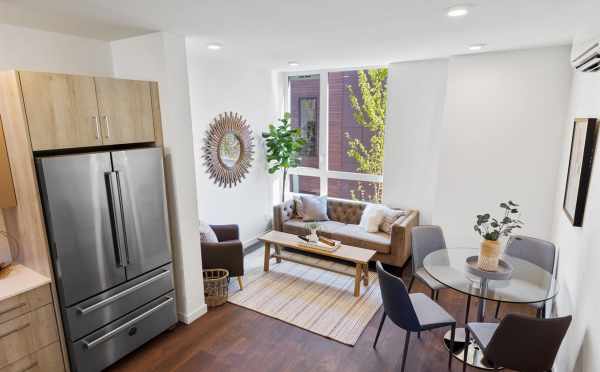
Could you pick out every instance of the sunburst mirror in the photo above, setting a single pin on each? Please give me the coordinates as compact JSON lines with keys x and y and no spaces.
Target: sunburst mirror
{"x":228,"y":149}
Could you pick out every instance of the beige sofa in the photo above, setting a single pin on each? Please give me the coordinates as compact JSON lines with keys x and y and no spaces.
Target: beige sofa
{"x":344,"y":215}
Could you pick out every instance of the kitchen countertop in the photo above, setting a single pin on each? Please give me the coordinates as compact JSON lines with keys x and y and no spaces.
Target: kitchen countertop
{"x":17,"y":279}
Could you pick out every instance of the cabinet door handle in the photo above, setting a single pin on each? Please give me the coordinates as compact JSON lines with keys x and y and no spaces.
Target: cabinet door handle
{"x":97,"y":123}
{"x":107,"y":122}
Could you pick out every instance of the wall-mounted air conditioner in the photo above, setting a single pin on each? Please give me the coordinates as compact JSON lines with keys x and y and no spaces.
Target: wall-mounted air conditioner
{"x":586,"y":57}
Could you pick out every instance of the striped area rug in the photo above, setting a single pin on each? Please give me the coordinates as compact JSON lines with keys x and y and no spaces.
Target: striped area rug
{"x":311,"y":298}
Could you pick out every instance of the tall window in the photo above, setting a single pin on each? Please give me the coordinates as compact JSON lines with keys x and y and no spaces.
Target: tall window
{"x":342,"y":116}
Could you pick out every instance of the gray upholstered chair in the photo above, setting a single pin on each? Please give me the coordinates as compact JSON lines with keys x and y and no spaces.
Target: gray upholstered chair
{"x":412,"y":312}
{"x":227,"y":253}
{"x":519,"y":343}
{"x":426,"y":239}
{"x":537,"y":251}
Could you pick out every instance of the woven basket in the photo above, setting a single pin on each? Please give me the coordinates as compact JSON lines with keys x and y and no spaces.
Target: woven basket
{"x":216,"y":286}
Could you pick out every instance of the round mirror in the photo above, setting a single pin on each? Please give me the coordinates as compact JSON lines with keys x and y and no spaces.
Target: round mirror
{"x":230,"y":149}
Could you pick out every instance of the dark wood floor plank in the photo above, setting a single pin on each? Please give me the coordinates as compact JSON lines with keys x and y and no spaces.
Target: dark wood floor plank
{"x":231,"y":338}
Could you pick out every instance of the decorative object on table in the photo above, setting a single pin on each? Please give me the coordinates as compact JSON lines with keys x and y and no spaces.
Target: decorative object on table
{"x":319,"y":245}
{"x":226,"y":253}
{"x":314,"y":208}
{"x":228,"y":149}
{"x":492,"y":229}
{"x":216,"y":286}
{"x":313,"y":227}
{"x":503,"y":272}
{"x":10,"y":251}
{"x":284,"y":144}
{"x":583,"y":144}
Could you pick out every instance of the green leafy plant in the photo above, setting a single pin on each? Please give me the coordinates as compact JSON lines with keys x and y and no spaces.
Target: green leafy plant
{"x":369,"y":110}
{"x":491,"y":228}
{"x":312,"y":226}
{"x":283,"y":147}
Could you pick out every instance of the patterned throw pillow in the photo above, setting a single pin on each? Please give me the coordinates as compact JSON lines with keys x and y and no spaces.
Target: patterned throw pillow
{"x":298,"y":207}
{"x":389,"y":217}
{"x":207,"y":234}
{"x":314,"y":208}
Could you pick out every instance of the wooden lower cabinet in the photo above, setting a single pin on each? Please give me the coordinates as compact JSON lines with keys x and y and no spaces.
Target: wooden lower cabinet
{"x":27,"y":334}
{"x":47,"y":359}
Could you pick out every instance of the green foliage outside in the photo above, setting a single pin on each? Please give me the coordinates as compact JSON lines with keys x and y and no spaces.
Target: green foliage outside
{"x":369,"y":107}
{"x":283,"y":147}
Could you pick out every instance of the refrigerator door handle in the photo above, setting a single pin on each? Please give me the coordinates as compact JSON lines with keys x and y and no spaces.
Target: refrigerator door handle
{"x":111,"y":299}
{"x":124,"y":326}
{"x":117,"y":217}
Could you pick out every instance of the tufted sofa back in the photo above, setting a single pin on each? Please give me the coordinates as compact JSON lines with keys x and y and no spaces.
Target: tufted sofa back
{"x":345,"y":211}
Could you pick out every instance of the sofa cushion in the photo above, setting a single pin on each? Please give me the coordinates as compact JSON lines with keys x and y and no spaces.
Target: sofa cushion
{"x":354,"y":235}
{"x":298,"y":227}
{"x":345,"y":211}
{"x":314,"y":208}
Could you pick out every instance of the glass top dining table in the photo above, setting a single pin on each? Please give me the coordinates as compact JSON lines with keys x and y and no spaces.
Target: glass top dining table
{"x":529,"y":283}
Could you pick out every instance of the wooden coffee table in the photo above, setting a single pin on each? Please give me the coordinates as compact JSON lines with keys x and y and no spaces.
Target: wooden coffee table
{"x":359,"y":256}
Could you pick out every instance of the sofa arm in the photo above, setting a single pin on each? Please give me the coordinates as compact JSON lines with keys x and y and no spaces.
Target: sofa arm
{"x":282,"y":213}
{"x":227,"y":255}
{"x":226,"y":232}
{"x":400,"y":245}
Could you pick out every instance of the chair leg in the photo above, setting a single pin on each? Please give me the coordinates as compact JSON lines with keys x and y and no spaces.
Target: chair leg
{"x":437,"y":295}
{"x":539,"y":313}
{"x":406,"y":341}
{"x":239,"y":278}
{"x":452,"y":334}
{"x":379,"y":330}
{"x":497,"y":310}
{"x":412,"y":280}
{"x":432,"y":294}
{"x":467,"y":336}
{"x":467,"y":310}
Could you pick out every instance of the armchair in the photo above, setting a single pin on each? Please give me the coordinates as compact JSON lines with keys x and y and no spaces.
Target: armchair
{"x":227,"y":253}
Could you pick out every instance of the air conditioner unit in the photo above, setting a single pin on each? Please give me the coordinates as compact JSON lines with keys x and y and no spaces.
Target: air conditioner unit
{"x":587,"y":57}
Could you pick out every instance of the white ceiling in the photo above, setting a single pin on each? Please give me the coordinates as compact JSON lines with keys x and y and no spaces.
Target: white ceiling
{"x":318,"y":33}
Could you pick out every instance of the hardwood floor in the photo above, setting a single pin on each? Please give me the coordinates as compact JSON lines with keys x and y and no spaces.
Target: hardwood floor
{"x":231,"y":338}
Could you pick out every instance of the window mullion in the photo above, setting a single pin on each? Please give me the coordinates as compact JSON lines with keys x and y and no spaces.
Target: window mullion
{"x":324,"y":131}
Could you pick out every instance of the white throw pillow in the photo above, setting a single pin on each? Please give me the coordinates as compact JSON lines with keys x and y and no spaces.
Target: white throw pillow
{"x":207,"y":234}
{"x":372,"y":217}
{"x":390,"y":216}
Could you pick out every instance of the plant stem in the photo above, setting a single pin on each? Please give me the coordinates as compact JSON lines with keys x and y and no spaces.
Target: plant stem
{"x":283,"y":189}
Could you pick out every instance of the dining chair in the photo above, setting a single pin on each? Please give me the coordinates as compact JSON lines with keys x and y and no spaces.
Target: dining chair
{"x":519,"y":343}
{"x":426,"y":239}
{"x":537,"y":251}
{"x":412,"y":312}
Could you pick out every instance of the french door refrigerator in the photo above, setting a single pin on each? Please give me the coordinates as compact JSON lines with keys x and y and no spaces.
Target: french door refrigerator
{"x":106,"y":220}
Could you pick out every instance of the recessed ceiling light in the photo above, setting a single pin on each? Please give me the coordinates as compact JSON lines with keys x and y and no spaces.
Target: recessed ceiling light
{"x":458,"y":11}
{"x":293,"y":64}
{"x":215,"y":46}
{"x":477,"y":46}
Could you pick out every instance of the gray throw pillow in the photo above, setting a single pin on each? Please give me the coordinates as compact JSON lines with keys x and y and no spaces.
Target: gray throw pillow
{"x":314,"y":208}
{"x":207,"y":234}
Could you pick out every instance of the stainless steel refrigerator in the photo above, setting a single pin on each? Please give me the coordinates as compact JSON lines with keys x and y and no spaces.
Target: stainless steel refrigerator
{"x":107,"y":226}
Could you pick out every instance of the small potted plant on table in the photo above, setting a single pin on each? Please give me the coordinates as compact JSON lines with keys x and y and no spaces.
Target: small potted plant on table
{"x":491,"y":230}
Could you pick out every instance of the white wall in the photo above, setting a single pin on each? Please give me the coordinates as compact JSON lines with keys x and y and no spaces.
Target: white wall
{"x":222,"y":82}
{"x":416,"y":96}
{"x":504,"y":122}
{"x":484,"y":129}
{"x":29,"y":49}
{"x":162,"y":57}
{"x":580,"y":246}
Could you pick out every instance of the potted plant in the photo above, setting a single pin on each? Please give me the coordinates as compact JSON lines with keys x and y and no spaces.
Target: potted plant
{"x":283,"y":146}
{"x":491,"y":230}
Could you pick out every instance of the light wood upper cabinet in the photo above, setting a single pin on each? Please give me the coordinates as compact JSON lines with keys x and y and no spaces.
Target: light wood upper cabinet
{"x":125,"y":108}
{"x":62,"y":111}
{"x":7,"y":189}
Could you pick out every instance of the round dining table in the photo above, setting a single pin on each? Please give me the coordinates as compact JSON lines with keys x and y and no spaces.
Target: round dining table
{"x":528,"y":284}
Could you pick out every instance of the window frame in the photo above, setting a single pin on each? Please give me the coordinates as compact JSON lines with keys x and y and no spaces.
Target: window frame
{"x":323,"y":171}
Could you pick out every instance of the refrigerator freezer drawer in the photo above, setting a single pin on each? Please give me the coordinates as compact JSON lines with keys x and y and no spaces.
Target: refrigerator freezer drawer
{"x":107,"y":345}
{"x":94,"y":313}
